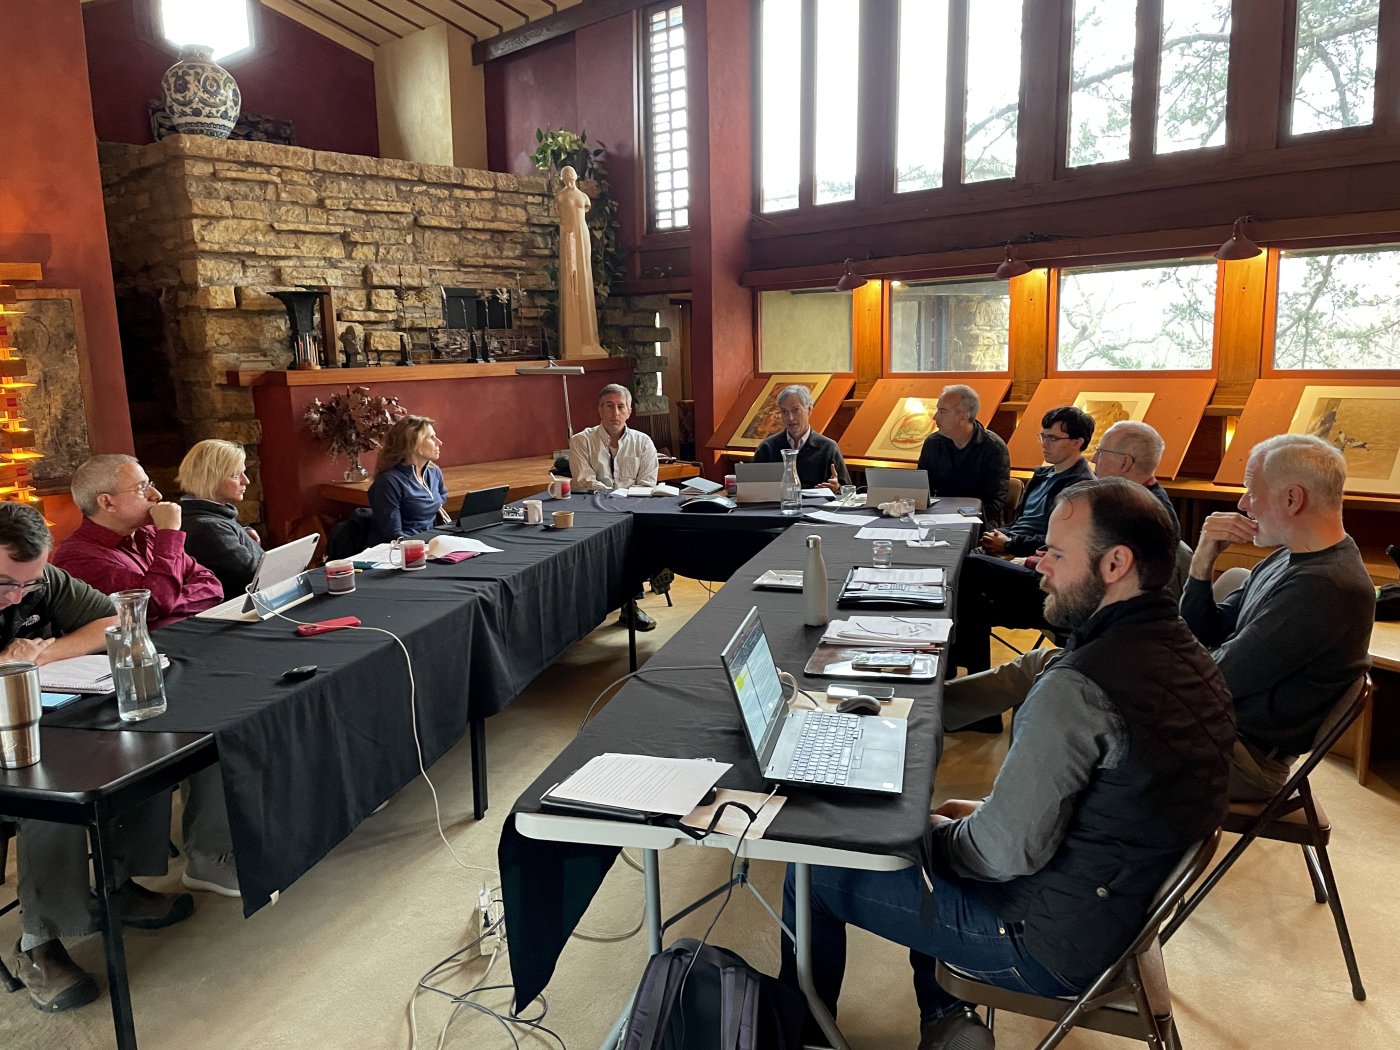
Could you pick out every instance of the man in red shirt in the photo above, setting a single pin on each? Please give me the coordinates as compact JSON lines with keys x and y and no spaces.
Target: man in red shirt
{"x":130,"y":539}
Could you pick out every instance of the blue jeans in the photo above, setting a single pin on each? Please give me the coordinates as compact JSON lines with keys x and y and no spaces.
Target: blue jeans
{"x":892,"y":904}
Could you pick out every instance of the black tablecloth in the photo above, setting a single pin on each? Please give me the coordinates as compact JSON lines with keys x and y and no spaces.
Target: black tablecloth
{"x":547,"y":886}
{"x":304,"y":763}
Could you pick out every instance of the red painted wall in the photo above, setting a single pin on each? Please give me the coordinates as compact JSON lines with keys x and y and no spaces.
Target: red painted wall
{"x":51,"y":191}
{"x":292,"y":73}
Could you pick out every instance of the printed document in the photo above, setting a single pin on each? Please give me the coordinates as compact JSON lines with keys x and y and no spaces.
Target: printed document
{"x":642,"y":782}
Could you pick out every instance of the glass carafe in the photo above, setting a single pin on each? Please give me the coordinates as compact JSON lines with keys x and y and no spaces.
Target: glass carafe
{"x":135,"y":663}
{"x":790,"y":488}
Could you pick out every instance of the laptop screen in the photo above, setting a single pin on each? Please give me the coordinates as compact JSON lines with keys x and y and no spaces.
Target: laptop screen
{"x":754,"y":676}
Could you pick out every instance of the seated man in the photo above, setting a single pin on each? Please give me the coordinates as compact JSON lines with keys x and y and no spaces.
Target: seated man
{"x":1133,"y":450}
{"x":819,"y":461}
{"x":1289,"y":642}
{"x":46,"y":615}
{"x":1118,"y":766}
{"x":964,"y":458}
{"x":130,"y":539}
{"x":610,"y":456}
{"x":993,"y":592}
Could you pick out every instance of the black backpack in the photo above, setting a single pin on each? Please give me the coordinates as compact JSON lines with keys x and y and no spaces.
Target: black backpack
{"x":698,"y":997}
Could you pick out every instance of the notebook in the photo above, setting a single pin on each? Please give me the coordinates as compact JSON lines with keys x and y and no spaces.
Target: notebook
{"x":813,"y":748}
{"x":884,"y":484}
{"x":864,"y":589}
{"x":279,"y":564}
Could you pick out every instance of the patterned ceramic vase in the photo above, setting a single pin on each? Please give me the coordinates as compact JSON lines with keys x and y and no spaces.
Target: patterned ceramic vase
{"x":200,"y":95}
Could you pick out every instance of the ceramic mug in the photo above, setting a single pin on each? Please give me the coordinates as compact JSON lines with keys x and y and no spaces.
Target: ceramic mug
{"x":563,"y":519}
{"x":559,"y":488}
{"x":534,"y":511}
{"x":408,"y":555}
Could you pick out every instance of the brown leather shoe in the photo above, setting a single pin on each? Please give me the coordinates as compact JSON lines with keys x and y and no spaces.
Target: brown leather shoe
{"x":53,"y":979}
{"x":147,"y":910}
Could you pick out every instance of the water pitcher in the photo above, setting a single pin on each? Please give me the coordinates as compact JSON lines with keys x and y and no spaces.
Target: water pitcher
{"x":790,"y":489}
{"x":136,"y":669}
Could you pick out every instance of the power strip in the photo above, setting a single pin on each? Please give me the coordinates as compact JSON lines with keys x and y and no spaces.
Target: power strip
{"x":491,"y":920}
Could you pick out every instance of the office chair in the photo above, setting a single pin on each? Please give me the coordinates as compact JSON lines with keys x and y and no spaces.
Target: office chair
{"x":1130,"y":998}
{"x":1295,"y":815}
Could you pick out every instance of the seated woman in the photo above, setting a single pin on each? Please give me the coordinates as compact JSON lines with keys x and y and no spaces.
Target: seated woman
{"x":212,"y":478}
{"x":408,"y":494}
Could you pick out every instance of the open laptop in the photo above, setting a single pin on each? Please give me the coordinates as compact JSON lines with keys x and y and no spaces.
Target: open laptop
{"x":480,"y":509}
{"x":813,"y":748}
{"x":279,"y":564}
{"x":883,"y":484}
{"x":759,"y":482}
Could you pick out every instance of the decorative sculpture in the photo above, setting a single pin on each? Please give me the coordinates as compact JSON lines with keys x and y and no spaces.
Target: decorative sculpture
{"x":578,"y":311}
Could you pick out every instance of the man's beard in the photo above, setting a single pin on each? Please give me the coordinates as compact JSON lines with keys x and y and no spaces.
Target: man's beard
{"x":1070,"y":607}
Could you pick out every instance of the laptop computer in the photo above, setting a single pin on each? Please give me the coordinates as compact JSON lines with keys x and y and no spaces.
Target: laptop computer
{"x":883,"y":484}
{"x":759,"y":482}
{"x":279,"y":564}
{"x":813,"y":748}
{"x":479,"y":509}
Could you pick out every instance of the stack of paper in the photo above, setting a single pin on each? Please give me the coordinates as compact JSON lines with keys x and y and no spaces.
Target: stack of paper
{"x":888,"y":632}
{"x":82,"y":674}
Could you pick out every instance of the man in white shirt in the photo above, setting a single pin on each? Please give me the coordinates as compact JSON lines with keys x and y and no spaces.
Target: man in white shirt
{"x":610,"y":456}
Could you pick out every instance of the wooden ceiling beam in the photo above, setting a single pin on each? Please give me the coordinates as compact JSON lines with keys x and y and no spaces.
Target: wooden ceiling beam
{"x":477,"y":14}
{"x":365,"y":18}
{"x":331,"y":21}
{"x":395,"y":12}
{"x":443,"y":18}
{"x":558,"y":24}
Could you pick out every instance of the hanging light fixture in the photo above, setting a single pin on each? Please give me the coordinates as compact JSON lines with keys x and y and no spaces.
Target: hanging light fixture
{"x":1011,"y":266}
{"x":1238,"y":246}
{"x":850,"y":280}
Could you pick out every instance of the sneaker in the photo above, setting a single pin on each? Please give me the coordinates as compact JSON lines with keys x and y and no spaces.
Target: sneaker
{"x":960,"y":1030}
{"x":215,"y":874}
{"x":640,"y":620}
{"x":53,"y":979}
{"x":147,"y":910}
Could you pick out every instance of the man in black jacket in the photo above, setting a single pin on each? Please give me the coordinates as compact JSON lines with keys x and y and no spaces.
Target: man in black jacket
{"x":1119,"y":765}
{"x":819,"y":461}
{"x":964,"y":458}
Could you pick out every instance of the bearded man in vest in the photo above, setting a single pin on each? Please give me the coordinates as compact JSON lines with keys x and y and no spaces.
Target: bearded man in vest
{"x":1119,"y":764}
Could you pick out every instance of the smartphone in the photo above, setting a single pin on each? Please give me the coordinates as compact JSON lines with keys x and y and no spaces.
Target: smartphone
{"x":969,"y":512}
{"x":841,"y":690}
{"x":883,"y":662}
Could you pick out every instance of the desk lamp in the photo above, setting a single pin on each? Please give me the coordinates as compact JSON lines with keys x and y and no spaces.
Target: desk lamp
{"x":552,"y":368}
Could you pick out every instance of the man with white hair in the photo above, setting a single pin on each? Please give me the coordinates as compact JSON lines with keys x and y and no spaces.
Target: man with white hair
{"x":1133,"y":450}
{"x":819,"y":461}
{"x":964,"y":458}
{"x":1296,"y":635}
{"x":610,"y":455}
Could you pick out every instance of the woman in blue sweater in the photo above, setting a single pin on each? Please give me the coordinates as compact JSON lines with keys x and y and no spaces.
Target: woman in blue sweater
{"x":408,"y":494}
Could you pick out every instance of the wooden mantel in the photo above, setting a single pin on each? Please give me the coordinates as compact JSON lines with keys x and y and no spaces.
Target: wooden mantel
{"x":407,"y":374}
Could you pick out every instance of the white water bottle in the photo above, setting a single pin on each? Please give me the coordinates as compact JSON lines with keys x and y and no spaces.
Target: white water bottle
{"x":815,"y":596}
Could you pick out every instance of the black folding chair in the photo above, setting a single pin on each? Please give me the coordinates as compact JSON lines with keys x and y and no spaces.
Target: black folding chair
{"x":1295,"y":815}
{"x":1130,"y":998}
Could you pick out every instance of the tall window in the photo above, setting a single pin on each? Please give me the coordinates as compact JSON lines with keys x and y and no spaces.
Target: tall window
{"x":1337,"y":309}
{"x":946,"y":326}
{"x":837,"y":74}
{"x":221,"y":24}
{"x":993,"y":96}
{"x":808,"y":330}
{"x":1334,"y":64}
{"x":1193,"y":74}
{"x":1101,"y":94}
{"x":669,"y":167}
{"x":923,"y":87}
{"x":1146,"y":318}
{"x":780,"y":106}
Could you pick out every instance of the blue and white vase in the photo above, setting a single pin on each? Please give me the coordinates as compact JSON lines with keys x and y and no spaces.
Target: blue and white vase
{"x":200,"y":95}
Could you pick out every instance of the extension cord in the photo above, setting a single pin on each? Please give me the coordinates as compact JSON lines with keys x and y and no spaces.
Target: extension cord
{"x":491,"y":923}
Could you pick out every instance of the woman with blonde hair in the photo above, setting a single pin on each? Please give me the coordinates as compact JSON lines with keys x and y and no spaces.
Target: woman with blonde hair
{"x":409,"y":494}
{"x":213,"y":479}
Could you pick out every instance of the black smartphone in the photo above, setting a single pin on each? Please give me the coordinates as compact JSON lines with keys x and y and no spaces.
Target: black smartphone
{"x":969,"y":512}
{"x":883,"y":662}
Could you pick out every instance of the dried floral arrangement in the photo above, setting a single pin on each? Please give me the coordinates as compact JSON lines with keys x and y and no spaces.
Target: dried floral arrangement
{"x":353,"y":422}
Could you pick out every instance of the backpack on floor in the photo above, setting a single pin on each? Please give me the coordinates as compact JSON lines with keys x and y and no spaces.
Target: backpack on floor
{"x":698,"y":997}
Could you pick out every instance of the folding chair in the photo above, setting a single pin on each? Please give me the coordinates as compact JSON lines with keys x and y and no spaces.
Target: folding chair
{"x":1295,"y":815}
{"x":1130,"y":998}
{"x":10,"y":982}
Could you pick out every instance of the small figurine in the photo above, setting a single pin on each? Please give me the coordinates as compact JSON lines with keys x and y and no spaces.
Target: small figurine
{"x":350,"y":347}
{"x":405,"y":349}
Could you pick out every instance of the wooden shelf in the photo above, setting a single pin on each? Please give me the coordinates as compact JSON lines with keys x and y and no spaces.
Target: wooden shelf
{"x":397,"y":374}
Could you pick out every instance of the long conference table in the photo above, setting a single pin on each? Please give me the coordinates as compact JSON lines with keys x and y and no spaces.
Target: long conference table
{"x":552,"y":865}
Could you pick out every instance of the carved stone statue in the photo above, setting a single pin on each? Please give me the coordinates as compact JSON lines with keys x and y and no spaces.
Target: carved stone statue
{"x":350,"y":346}
{"x":578,"y":314}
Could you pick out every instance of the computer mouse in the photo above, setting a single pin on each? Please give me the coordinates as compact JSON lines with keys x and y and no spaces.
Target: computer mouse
{"x":860,"y":704}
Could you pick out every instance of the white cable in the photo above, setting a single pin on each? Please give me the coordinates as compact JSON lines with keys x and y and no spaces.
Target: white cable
{"x":633,"y":674}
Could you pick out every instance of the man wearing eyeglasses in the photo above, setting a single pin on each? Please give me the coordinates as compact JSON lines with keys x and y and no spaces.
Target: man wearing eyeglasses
{"x":130,"y":538}
{"x":1132,"y":450}
{"x":47,"y":615}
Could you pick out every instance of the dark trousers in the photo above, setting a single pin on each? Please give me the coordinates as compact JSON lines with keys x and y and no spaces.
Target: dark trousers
{"x":992,"y":592}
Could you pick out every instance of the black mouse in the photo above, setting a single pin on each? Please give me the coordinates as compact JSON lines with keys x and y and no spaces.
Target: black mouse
{"x":296,"y":674}
{"x":860,"y":704}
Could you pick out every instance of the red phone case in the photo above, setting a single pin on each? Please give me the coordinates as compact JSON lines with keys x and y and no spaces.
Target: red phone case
{"x":308,"y":629}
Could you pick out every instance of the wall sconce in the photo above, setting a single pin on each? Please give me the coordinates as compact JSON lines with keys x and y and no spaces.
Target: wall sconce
{"x":16,"y":436}
{"x":1011,"y":266}
{"x":850,"y":280}
{"x":1238,"y":246}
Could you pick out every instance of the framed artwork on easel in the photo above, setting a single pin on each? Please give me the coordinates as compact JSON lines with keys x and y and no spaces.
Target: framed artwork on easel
{"x":754,"y":414}
{"x":897,"y":415}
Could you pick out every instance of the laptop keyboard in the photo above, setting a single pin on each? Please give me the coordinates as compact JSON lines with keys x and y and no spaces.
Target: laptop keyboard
{"x":823,"y":753}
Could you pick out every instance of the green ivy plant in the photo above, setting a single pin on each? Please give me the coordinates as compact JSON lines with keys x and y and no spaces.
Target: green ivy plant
{"x":556,"y":150}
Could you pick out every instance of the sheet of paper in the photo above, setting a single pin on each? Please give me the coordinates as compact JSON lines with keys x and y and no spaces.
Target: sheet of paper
{"x":945,"y":519}
{"x":82,"y":674}
{"x":880,"y":532}
{"x":870,"y":574}
{"x":643,"y":782}
{"x":376,"y":557}
{"x":883,"y":631}
{"x":819,"y":493}
{"x":440,"y":545}
{"x":735,"y":821}
{"x":839,"y":519}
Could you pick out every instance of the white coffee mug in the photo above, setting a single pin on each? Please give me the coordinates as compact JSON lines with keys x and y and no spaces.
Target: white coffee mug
{"x":534,"y":511}
{"x":559,"y":488}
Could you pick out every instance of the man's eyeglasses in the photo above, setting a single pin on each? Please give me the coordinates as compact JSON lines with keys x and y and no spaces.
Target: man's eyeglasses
{"x":1050,"y":439}
{"x":11,"y":590}
{"x":143,"y":490}
{"x":1112,"y":452}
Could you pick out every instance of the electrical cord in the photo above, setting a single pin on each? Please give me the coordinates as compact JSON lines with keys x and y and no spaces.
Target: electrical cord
{"x":587,"y":715}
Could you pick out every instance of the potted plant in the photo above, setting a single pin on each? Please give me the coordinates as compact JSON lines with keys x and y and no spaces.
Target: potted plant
{"x":353,"y":423}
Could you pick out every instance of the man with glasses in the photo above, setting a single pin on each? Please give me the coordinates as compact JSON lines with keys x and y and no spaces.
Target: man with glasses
{"x":47,"y":615}
{"x":131,"y":539}
{"x":964,"y":458}
{"x":994,"y":592}
{"x":819,"y":461}
{"x":1132,"y":450}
